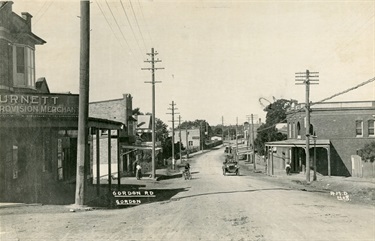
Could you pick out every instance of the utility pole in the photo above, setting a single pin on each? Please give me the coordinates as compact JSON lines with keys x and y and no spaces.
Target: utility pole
{"x":236,"y":138}
{"x":84,"y":84}
{"x":200,"y":135}
{"x":153,"y":61}
{"x":222,"y":129}
{"x":305,"y":78}
{"x":252,"y":141}
{"x":187,"y":143}
{"x":173,"y":113}
{"x":179,"y":128}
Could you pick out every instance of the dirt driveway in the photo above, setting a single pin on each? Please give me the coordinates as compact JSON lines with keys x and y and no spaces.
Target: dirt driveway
{"x":208,"y":207}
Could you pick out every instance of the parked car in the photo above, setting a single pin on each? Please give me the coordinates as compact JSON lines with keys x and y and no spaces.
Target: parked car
{"x":230,"y":166}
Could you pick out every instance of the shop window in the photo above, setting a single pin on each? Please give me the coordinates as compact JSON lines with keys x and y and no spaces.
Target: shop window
{"x":25,"y":67}
{"x":371,"y":128}
{"x":359,"y":128}
{"x":15,"y":160}
{"x":60,"y":157}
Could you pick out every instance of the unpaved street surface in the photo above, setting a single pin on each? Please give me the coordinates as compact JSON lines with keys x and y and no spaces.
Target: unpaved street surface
{"x":208,"y":207}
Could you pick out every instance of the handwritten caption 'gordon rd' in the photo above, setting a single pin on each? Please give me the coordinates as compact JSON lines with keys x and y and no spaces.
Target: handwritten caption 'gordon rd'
{"x":131,"y":197}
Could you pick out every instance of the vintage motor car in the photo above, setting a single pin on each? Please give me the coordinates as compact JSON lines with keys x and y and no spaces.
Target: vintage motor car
{"x":230,"y":166}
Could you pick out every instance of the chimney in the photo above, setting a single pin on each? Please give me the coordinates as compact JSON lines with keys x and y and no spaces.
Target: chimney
{"x":27,"y":17}
{"x":6,"y":5}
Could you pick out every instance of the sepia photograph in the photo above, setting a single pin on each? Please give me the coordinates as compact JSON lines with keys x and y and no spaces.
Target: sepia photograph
{"x":199,"y":120}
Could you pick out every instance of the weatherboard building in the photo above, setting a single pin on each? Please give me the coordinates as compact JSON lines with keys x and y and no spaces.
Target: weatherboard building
{"x":38,"y":129}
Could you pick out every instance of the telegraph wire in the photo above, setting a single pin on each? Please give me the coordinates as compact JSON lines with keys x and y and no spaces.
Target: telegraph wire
{"x":123,"y":36}
{"x":44,"y":4}
{"x":293,"y":113}
{"x":101,"y":10}
{"x":345,"y":91}
{"x":41,"y":16}
{"x":136,"y":20}
{"x":135,"y":37}
{"x":144,"y":20}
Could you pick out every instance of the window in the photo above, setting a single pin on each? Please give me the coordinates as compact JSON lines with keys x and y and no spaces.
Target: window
{"x":20,"y":58}
{"x":292,"y":132}
{"x":298,"y":130}
{"x":359,"y":128}
{"x":371,"y":128}
{"x":190,"y":143}
{"x":24,"y":67}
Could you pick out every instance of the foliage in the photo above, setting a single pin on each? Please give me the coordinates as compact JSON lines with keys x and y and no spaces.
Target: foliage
{"x":206,"y":129}
{"x":161,"y":130}
{"x":267,"y":132}
{"x":368,"y":152}
{"x":137,"y":111}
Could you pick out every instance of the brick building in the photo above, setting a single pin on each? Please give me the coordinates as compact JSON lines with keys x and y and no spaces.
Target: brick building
{"x":340,"y":130}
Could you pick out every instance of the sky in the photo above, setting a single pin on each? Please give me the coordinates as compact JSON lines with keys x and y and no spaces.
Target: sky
{"x":222,"y":59}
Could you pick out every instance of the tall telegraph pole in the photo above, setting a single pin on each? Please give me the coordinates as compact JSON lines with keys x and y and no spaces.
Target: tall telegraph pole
{"x":84,"y":83}
{"x":179,"y":132}
{"x":222,"y":129}
{"x":173,"y":113}
{"x":153,"y":61}
{"x":305,"y":78}
{"x":252,"y":140}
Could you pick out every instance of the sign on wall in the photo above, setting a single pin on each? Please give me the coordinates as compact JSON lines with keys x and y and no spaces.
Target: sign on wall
{"x":61,"y":105}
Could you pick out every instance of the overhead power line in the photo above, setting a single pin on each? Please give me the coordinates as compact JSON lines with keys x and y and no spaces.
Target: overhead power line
{"x":144,"y":20}
{"x":118,"y":26}
{"x":131,"y":27}
{"x":291,"y":114}
{"x":136,"y":20}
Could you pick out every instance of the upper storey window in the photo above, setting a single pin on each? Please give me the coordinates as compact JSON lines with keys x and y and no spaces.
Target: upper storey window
{"x":359,"y":128}
{"x":371,"y":128}
{"x":24,"y":67}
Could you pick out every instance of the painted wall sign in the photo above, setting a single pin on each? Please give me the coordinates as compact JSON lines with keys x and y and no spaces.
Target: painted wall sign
{"x":39,"y":104}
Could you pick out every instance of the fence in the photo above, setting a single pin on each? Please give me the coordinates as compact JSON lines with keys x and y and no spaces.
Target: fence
{"x":361,"y":168}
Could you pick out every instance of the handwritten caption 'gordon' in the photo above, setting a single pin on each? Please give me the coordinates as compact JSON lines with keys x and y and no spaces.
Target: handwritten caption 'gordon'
{"x":131,"y":197}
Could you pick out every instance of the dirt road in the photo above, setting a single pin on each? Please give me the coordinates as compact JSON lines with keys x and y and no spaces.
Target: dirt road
{"x":208,"y":207}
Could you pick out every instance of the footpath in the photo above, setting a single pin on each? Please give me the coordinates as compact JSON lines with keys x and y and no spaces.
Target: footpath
{"x":358,"y":190}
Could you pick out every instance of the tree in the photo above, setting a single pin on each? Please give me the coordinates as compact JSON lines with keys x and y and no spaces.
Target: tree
{"x":267,"y":132}
{"x":161,"y":130}
{"x":367,"y":153}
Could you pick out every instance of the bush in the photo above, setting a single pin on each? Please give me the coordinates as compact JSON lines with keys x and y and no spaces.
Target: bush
{"x":367,"y":153}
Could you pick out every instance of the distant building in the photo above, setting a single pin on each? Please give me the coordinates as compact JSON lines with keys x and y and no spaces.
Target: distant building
{"x":340,"y":128}
{"x":190,"y":138}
